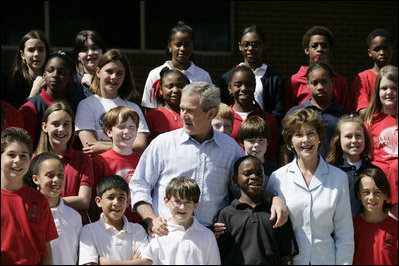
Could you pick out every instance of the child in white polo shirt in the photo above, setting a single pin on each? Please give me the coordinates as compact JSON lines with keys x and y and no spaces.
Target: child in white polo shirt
{"x":112,"y":239}
{"x":188,"y":242}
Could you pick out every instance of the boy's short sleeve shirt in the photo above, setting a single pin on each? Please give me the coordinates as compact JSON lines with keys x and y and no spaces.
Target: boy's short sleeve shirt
{"x":26,"y":225}
{"x":194,"y":246}
{"x":362,"y":89}
{"x":69,"y":224}
{"x":101,"y":239}
{"x":250,"y":238}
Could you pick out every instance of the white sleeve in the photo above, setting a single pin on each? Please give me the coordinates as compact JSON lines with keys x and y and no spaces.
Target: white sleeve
{"x":87,"y":250}
{"x":85,"y":116}
{"x":213,"y":251}
{"x":141,"y":239}
{"x":143,"y":127}
{"x":151,"y":251}
{"x":149,"y":91}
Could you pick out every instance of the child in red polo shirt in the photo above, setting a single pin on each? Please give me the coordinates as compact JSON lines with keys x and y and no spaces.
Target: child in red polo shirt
{"x":57,"y":136}
{"x":27,"y":225}
{"x":317,"y":43}
{"x":120,"y":124}
{"x":379,"y":44}
{"x":241,"y":84}
{"x":167,"y":92}
{"x":375,"y":232}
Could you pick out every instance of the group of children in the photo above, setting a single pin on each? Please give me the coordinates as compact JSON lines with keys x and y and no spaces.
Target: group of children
{"x":82,"y":165}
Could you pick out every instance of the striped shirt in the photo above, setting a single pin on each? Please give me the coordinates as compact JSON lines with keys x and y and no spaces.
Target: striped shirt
{"x":174,"y":154}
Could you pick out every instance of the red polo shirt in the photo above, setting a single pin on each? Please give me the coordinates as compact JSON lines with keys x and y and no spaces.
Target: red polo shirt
{"x":298,"y":92}
{"x":271,"y":122}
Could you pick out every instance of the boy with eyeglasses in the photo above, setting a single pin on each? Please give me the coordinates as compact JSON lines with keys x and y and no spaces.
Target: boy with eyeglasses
{"x":317,"y":43}
{"x":188,"y":242}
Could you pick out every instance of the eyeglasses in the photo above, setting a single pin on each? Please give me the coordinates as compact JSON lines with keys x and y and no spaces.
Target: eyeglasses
{"x":178,"y":203}
{"x":253,"y":44}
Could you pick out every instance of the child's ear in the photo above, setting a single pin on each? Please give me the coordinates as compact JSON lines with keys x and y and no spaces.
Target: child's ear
{"x":169,"y":48}
{"x":98,"y":201}
{"x":108,"y":132}
{"x":306,"y":50}
{"x":44,"y":127}
{"x":165,"y":199}
{"x":196,"y":205}
{"x":97,"y":71}
{"x":129,"y":201}
{"x":229,"y":88}
{"x":369,"y":52}
{"x":35,"y":179}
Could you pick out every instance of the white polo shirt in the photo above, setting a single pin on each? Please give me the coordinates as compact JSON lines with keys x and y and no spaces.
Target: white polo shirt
{"x":69,"y":224}
{"x":195,"y":246}
{"x":101,"y":239}
{"x":193,"y":73}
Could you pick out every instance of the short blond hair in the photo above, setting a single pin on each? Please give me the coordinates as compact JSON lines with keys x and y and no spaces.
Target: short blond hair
{"x":120,"y":114}
{"x":225,"y":113}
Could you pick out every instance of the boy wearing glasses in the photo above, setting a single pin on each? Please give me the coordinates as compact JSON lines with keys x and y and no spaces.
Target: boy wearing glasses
{"x":317,"y":43}
{"x":188,"y":241}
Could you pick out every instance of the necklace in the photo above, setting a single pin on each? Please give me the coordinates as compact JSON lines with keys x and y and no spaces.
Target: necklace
{"x":172,"y":113}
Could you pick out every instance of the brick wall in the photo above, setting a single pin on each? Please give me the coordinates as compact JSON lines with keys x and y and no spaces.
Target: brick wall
{"x":284,"y":23}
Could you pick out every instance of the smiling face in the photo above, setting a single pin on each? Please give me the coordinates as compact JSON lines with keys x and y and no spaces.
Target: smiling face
{"x":111,"y":76}
{"x":181,"y":47}
{"x":242,"y":86}
{"x":250,"y":177}
{"x":371,"y":196}
{"x":50,"y":179}
{"x":113,"y":203}
{"x":57,"y":75}
{"x":320,"y":85}
{"x":171,"y":88}
{"x":58,"y":128}
{"x":251,"y":47}
{"x":90,"y":55}
{"x":305,"y":142}
{"x":34,"y":54}
{"x":15,"y":162}
{"x":352,"y":141}
{"x":388,"y":93}
{"x":123,"y":135}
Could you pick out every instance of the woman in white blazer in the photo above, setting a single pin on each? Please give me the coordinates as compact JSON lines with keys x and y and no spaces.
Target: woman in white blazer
{"x":316,"y":194}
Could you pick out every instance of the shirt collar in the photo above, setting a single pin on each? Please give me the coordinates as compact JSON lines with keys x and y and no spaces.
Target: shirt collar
{"x":60,"y":207}
{"x":195,"y":226}
{"x":189,"y":70}
{"x":186,"y":138}
{"x":109,"y":228}
{"x":319,"y":176}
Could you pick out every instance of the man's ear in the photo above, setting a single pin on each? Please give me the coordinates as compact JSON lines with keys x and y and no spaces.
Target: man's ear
{"x":212,"y":113}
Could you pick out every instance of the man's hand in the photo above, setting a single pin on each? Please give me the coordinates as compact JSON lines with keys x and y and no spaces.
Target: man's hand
{"x":219,"y":229}
{"x":278,"y":208}
{"x":157,"y":226}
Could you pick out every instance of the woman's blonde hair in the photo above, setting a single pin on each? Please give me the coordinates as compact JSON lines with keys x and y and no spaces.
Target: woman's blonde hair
{"x":389,"y":72}
{"x":294,"y":121}
{"x":127,"y":90}
{"x":335,"y":151}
